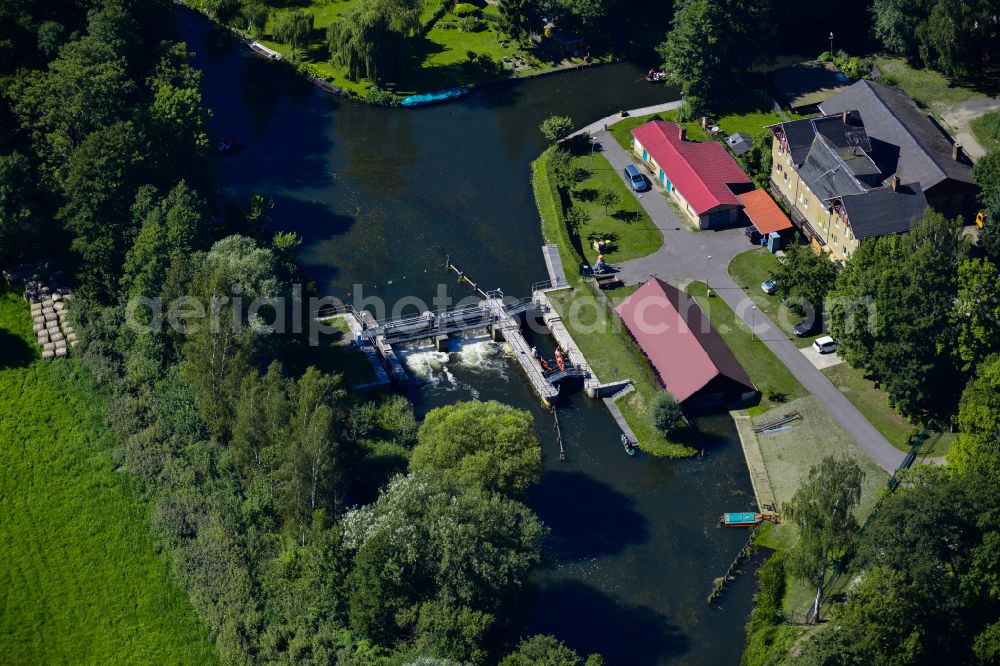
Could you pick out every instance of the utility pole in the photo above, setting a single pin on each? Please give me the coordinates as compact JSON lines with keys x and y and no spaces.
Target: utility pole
{"x":753,"y":322}
{"x":831,"y":43}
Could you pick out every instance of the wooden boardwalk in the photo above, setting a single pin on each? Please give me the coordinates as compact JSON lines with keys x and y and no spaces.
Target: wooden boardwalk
{"x":616,"y":414}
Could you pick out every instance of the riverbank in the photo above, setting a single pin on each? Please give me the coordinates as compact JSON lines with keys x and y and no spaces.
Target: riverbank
{"x":445,"y":55}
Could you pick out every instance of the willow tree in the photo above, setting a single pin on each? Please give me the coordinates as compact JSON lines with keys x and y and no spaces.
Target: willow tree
{"x":370,"y":40}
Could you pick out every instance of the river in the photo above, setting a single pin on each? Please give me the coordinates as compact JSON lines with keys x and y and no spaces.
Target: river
{"x":380,"y":197}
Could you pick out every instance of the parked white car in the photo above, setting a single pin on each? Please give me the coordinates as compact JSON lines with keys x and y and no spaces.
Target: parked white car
{"x":825,"y":345}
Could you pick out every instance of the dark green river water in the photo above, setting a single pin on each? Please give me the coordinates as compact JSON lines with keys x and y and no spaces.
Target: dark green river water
{"x":380,"y":196}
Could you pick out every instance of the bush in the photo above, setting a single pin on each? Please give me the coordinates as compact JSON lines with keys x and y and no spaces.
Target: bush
{"x":774,"y":395}
{"x":667,"y":415}
{"x":379,"y":97}
{"x":465,"y":9}
{"x":471,"y":24}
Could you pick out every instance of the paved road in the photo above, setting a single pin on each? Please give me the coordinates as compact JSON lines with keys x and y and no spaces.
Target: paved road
{"x":684,"y":256}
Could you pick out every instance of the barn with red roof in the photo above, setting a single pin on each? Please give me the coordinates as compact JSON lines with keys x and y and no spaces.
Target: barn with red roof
{"x":701,"y":175}
{"x":690,"y":357}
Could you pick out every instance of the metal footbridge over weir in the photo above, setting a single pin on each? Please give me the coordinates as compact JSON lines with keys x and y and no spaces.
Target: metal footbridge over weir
{"x":492,"y":313}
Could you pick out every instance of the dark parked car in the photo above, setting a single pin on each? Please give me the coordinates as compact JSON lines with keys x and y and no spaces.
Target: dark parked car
{"x":635,"y":179}
{"x":752,"y":234}
{"x":805,"y":328}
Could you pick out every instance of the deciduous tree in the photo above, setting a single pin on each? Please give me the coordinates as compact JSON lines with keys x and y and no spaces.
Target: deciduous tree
{"x":823,"y":509}
{"x":372,"y":38}
{"x":293,"y":27}
{"x":556,"y":128}
{"x":480,"y":444}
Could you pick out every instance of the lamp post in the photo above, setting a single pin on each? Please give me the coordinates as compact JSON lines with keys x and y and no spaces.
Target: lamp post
{"x":593,"y":144}
{"x":753,"y":322}
{"x":708,"y":270}
{"x":831,"y":43}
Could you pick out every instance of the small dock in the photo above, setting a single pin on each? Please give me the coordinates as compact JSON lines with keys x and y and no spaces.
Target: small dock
{"x":553,"y":264}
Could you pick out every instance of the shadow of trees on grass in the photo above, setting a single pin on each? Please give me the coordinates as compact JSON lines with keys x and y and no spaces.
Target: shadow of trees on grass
{"x":14,"y":351}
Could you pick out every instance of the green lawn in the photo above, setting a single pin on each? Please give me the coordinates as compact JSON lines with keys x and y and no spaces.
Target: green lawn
{"x":749,"y":110}
{"x":626,"y":223}
{"x":930,"y":89}
{"x":80,"y":578}
{"x":765,"y":370}
{"x":748,"y":269}
{"x":604,"y":342}
{"x":987,"y":130}
{"x":873,"y":403}
{"x":439,"y":57}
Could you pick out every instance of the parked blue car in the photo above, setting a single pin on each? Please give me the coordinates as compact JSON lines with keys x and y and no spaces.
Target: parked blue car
{"x":636,"y":180}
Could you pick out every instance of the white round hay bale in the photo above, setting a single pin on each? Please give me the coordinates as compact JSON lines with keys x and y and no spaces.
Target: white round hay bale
{"x":57,"y":297}
{"x":39,"y":327}
{"x":61,"y":351}
{"x":48,"y":346}
{"x":74,"y":343}
{"x":60,"y":344}
{"x":57,"y":336}
{"x":48,"y":354}
{"x":71,"y":336}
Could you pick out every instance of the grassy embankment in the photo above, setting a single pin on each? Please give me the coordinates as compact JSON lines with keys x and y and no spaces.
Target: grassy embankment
{"x":595,"y":329}
{"x":439,"y":56}
{"x":79,"y":573}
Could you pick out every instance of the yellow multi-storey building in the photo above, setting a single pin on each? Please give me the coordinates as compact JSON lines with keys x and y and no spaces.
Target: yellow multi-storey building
{"x":823,"y":170}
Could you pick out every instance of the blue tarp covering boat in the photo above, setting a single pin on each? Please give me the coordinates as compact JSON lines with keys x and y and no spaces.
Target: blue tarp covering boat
{"x":747,"y":519}
{"x":434,"y":97}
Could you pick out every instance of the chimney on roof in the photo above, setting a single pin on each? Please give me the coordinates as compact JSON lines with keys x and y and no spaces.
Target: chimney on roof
{"x":683,"y":134}
{"x":894,"y":182}
{"x":956,"y":152}
{"x":843,"y":117}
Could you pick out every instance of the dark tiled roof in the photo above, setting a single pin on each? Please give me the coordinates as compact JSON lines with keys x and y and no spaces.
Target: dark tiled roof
{"x":808,"y":83}
{"x":826,"y":174}
{"x":908,"y":143}
{"x":884,"y":211}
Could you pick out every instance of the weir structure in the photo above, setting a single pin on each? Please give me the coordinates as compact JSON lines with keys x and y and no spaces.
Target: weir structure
{"x":502,"y":318}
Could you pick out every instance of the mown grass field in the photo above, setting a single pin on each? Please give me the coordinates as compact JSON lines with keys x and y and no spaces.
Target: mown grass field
{"x":602,"y":338}
{"x":80,"y":578}
{"x":748,"y":269}
{"x":626,"y":222}
{"x":765,"y":370}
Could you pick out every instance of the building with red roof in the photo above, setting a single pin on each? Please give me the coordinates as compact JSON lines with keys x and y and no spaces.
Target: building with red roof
{"x":690,"y":357}
{"x":702,"y":176}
